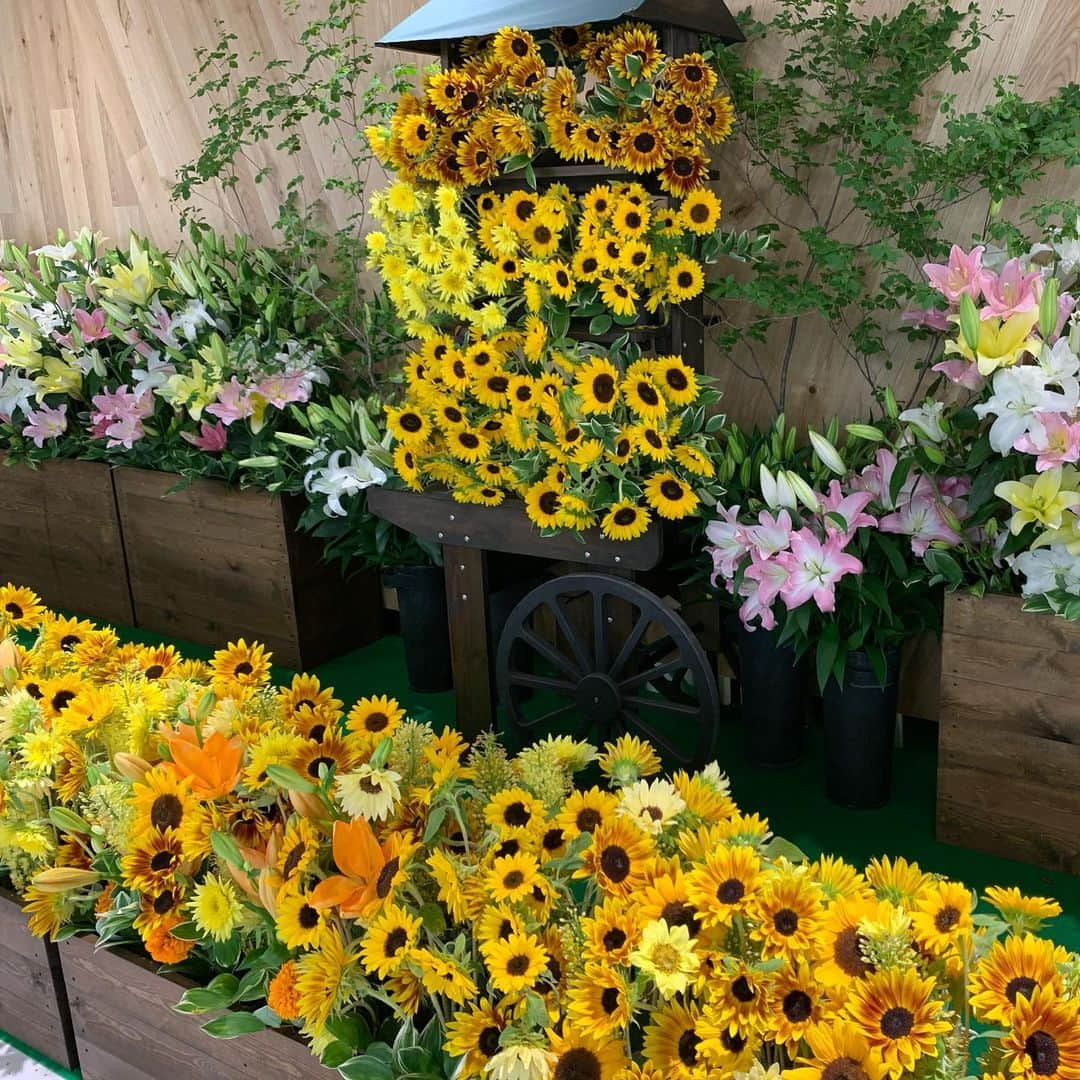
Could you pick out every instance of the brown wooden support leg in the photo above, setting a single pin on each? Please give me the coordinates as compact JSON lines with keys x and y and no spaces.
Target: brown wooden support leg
{"x":466,"y":607}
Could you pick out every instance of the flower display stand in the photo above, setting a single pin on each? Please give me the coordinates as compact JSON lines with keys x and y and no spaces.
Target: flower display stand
{"x":208,"y":562}
{"x":33,"y":998}
{"x":1009,"y":739}
{"x":60,"y":535}
{"x":126,"y":1028}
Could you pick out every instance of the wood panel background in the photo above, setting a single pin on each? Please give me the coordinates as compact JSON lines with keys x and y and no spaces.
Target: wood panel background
{"x":95,"y":117}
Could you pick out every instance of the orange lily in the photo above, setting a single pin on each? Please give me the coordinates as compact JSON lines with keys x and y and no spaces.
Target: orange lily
{"x":367,"y":869}
{"x":214,"y":767}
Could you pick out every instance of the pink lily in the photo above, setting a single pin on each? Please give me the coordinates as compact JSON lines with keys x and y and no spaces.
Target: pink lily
{"x":1053,"y":439}
{"x":91,"y":327}
{"x":728,"y":543}
{"x":118,"y":416}
{"x":961,"y":372}
{"x":927,"y":318}
{"x":1011,"y":291}
{"x":754,"y":608}
{"x":849,"y":507}
{"x":1066,"y":306}
{"x":211,"y":437}
{"x":959,"y":276}
{"x":285,"y":388}
{"x":876,"y":478}
{"x":771,"y":576}
{"x":233,"y":403}
{"x":921,"y":518}
{"x":814,"y":569}
{"x":770,"y":535}
{"x":45,"y":423}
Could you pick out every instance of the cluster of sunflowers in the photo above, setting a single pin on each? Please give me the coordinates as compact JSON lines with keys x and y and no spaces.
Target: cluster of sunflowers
{"x":500,"y":398}
{"x":342,"y":865}
{"x":610,"y":97}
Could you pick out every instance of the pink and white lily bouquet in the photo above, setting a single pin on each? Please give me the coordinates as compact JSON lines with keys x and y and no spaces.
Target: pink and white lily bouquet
{"x":834,"y":549}
{"x":1014,"y":345}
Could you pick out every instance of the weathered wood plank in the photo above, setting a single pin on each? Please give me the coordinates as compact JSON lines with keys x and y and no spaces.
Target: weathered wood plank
{"x":466,"y":606}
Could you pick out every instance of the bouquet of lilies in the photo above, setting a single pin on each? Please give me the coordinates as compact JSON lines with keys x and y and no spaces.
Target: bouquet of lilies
{"x":415,"y":906}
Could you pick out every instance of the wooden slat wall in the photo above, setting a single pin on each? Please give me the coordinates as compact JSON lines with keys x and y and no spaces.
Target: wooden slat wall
{"x":95,"y":117}
{"x":1009,"y":736}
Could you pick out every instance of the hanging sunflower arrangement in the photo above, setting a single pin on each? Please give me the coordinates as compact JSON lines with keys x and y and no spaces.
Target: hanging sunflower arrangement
{"x":563,"y":912}
{"x":608,"y":97}
{"x":502,"y":398}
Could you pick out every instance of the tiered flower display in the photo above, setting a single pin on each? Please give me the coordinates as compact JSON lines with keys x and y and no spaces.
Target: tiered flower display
{"x":519,"y":385}
{"x":609,"y":97}
{"x":490,"y":914}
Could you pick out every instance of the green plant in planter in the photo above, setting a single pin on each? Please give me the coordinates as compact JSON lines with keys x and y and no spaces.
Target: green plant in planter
{"x":858,"y":188}
{"x":269,"y":104}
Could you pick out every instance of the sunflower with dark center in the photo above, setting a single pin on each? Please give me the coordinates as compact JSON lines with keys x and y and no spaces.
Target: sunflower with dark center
{"x":669,"y":496}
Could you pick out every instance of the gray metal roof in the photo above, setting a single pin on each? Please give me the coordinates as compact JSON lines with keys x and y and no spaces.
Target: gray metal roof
{"x":451,"y":20}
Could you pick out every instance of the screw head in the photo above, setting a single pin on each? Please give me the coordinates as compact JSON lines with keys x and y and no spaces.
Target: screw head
{"x":453,"y":518}
{"x":588,"y":554}
{"x":618,"y":558}
{"x":461,"y":566}
{"x":466,"y":539}
{"x":441,"y":535}
{"x":464,"y":596}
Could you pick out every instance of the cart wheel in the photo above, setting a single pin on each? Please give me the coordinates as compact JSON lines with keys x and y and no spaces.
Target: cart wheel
{"x":603,"y":656}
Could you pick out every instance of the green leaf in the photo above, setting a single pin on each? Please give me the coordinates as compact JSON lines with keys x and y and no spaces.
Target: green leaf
{"x":827,"y":648}
{"x":225,"y":847}
{"x":365,"y":1067}
{"x":233,"y":1025}
{"x":288,"y":778}
{"x":599,"y":324}
{"x":68,"y":820}
{"x":778,"y":848}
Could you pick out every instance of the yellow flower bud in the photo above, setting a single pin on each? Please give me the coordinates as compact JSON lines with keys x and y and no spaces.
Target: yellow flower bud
{"x":59,"y":879}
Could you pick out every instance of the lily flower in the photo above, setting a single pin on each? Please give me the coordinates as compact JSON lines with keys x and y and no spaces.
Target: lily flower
{"x":45,"y":423}
{"x":1053,"y":439}
{"x":1001,"y":342}
{"x":814,"y":570}
{"x":1019,"y":394}
{"x":213,"y":767}
{"x":367,"y":869}
{"x":1010,"y":291}
{"x":1044,"y":501}
{"x":849,"y":507}
{"x":960,"y":276}
{"x":924,"y":519}
{"x":335,"y":480}
{"x":211,"y":437}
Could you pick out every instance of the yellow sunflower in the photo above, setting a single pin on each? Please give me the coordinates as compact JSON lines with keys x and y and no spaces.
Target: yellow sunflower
{"x":669,"y":496}
{"x":299,"y":924}
{"x":788,"y":915}
{"x":577,"y":1054}
{"x":388,"y":941}
{"x":153,"y":861}
{"x":322,"y":982}
{"x":584,"y":811}
{"x":942,"y":918}
{"x":625,"y":520}
{"x":408,"y":425}
{"x":514,"y":964}
{"x":240,"y":664}
{"x":473,"y":1034}
{"x":672,"y":1041}
{"x":375,"y":717}
{"x":512,"y":877}
{"x":598,"y":1001}
{"x":838,"y":1051}
{"x":611,"y":932}
{"x":619,"y":295}
{"x":700,"y":212}
{"x":898,"y":881}
{"x":725,"y":884}
{"x":617,"y":857}
{"x":685,"y":280}
{"x":643,"y":395}
{"x":843,"y":942}
{"x":20,"y":608}
{"x":543,"y":504}
{"x":1012,"y":969}
{"x":597,"y":384}
{"x":1044,"y":1038}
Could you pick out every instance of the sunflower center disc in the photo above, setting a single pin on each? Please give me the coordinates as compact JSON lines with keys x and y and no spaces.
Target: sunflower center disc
{"x":598,"y":697}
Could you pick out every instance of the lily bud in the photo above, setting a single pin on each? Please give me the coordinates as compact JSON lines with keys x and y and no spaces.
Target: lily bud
{"x":969,"y":322}
{"x":267,"y":893}
{"x":785,"y":493}
{"x":826,"y":453}
{"x":308,"y":805}
{"x":243,"y":881}
{"x":865,"y":431}
{"x":1048,"y":308}
{"x":768,"y":487}
{"x":131,"y":766}
{"x":10,"y":661}
{"x":58,"y":879}
{"x":803,"y":492}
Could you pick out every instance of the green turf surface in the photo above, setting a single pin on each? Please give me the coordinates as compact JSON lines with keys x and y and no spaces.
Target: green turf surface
{"x":793,"y":799}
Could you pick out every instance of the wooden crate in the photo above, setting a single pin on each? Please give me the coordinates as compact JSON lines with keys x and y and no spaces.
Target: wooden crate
{"x":211,"y":563}
{"x":33,"y":1000}
{"x":1009,"y":739}
{"x":126,"y":1029}
{"x":60,"y":534}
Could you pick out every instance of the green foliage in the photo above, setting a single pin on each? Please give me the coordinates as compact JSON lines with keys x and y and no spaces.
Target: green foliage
{"x":264,"y":107}
{"x":860,"y":188}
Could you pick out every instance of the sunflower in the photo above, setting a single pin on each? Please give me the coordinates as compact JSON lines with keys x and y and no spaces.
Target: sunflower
{"x":408,"y":425}
{"x":64,"y":635}
{"x":585,"y":811}
{"x":416,"y":133}
{"x":700,"y":212}
{"x":627,"y":759}
{"x":644,"y":147}
{"x":474,"y":1035}
{"x":515,"y":963}
{"x":321,"y":985}
{"x":298,"y":849}
{"x":277,"y":748}
{"x":725,"y":884}
{"x":46,"y":912}
{"x":630,"y":219}
{"x":685,"y":171}
{"x":1044,"y":1038}
{"x":617,"y":857}
{"x":597,"y":384}
{"x":838,"y":1051}
{"x":59,"y":693}
{"x":368,"y":792}
{"x":240,"y":664}
{"x":512,"y":877}
{"x":669,"y":496}
{"x":580,"y":1055}
{"x":942,"y":918}
{"x":514,"y":812}
{"x":634,"y":51}
{"x":305,"y":700}
{"x":788,"y":912}
{"x":896,"y":1012}
{"x":672,"y":1042}
{"x":375,"y":717}
{"x":691,"y":75}
{"x":1012,"y":969}
{"x":468,"y":444}
{"x":1019,"y":911}
{"x":651,"y":805}
{"x":335,"y":753}
{"x":519,"y":210}
{"x":598,"y":1001}
{"x":652,"y":443}
{"x":635,"y":257}
{"x":738,"y":998}
{"x":511,"y":46}
{"x":625,"y":520}
{"x":541,"y":236}
{"x":407,"y":466}
{"x":479,"y":159}
{"x":590,"y":140}
{"x":685,"y":280}
{"x":20,"y":608}
{"x":153,"y":860}
{"x":619,"y":296}
{"x":717,"y":118}
{"x":543,"y":504}
{"x":299,"y":924}
{"x":559,"y":95}
{"x":694,"y":460}
{"x":388,"y":941}
{"x":842,"y":949}
{"x":161,"y":799}
{"x":643,"y":395}
{"x":900,"y":882}
{"x":493,"y":388}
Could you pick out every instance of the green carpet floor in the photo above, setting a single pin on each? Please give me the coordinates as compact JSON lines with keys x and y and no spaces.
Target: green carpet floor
{"x":792,"y":799}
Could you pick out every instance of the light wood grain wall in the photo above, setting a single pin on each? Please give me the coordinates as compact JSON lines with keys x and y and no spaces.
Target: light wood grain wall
{"x":96,"y":116}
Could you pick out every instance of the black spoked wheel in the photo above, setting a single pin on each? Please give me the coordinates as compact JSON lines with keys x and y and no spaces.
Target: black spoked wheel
{"x":593,"y":655}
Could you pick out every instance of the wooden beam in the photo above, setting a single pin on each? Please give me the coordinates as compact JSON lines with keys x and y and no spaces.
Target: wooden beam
{"x":466,"y":608}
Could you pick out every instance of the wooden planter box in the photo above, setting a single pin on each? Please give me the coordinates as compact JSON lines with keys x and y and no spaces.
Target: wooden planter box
{"x":126,"y":1029}
{"x":211,"y":563}
{"x":1009,"y":740}
{"x":60,"y":535}
{"x":33,"y":999}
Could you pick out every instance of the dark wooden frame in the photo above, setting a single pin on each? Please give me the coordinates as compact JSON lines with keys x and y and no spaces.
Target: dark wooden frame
{"x":1009,"y":735}
{"x":60,"y":535}
{"x":209,"y":563}
{"x":126,"y":1028}
{"x":467,"y":534}
{"x":33,"y":995}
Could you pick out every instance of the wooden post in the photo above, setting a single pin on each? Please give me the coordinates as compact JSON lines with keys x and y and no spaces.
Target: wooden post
{"x":466,"y":606}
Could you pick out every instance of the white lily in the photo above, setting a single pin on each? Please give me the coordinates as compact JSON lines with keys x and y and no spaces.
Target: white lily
{"x":336,"y":480}
{"x":927,"y":418}
{"x":1018,"y":394}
